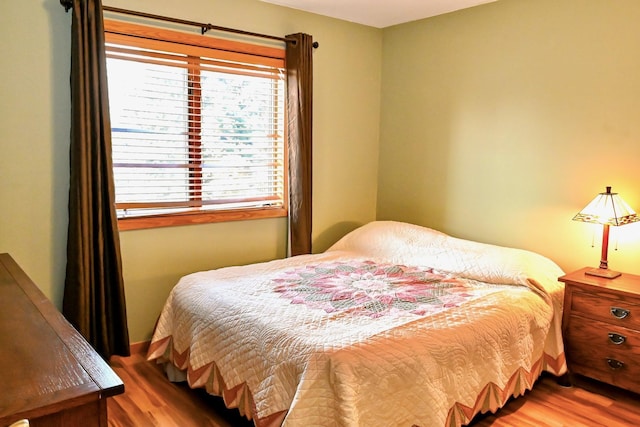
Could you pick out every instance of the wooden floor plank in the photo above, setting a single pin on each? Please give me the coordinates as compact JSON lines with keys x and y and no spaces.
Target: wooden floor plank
{"x":150,"y":400}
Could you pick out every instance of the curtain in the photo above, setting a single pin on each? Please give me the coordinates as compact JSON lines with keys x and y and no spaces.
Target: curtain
{"x":299,"y":65}
{"x":93,"y":300}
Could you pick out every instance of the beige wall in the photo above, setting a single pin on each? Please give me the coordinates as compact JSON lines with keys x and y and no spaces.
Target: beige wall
{"x":34,"y":143}
{"x":34,"y":138}
{"x":500,"y":122}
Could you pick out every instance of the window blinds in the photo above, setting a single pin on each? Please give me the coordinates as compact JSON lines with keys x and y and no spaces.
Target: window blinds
{"x":191,"y":132}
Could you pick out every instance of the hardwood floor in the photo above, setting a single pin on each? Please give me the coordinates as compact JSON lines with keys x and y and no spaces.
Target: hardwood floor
{"x":151,"y":400}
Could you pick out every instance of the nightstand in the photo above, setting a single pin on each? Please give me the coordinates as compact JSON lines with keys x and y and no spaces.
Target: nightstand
{"x":601,"y":328}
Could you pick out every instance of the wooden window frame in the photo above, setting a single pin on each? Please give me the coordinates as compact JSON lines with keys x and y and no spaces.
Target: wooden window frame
{"x":119,"y":32}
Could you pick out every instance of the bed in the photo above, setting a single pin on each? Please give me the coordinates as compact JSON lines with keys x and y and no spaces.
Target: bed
{"x":395,"y":325}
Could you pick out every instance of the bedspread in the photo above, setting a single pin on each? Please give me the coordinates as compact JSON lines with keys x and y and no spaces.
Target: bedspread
{"x":394,"y":325}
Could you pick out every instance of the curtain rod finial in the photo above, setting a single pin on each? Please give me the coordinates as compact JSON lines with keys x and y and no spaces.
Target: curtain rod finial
{"x":315,"y":45}
{"x":206,"y":27}
{"x":68,"y":4}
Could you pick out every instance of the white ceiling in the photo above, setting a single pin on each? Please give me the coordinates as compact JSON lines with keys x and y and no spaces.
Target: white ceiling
{"x":379,"y":13}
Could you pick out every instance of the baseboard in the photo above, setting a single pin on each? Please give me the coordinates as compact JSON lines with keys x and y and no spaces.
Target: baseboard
{"x":139,"y":347}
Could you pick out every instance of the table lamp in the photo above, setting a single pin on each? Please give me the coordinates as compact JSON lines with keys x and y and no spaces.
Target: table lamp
{"x":607,"y":209}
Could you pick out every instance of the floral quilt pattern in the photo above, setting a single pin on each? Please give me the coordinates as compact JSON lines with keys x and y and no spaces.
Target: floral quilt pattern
{"x":372,"y":289}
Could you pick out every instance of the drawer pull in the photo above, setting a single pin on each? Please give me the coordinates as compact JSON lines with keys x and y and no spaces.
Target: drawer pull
{"x":619,"y":313}
{"x":616,"y":339}
{"x":615,"y":364}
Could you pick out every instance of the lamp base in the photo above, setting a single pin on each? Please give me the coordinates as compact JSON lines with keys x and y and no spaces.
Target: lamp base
{"x":603,"y":272}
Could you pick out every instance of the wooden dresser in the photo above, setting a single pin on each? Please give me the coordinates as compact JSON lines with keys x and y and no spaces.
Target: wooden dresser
{"x":49,"y":374}
{"x":601,"y":328}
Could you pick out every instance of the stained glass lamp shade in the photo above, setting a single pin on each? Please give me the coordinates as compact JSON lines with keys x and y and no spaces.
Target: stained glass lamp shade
{"x":607,"y":209}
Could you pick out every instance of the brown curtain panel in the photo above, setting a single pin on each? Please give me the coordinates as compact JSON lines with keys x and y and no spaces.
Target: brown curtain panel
{"x":299,"y":62}
{"x":94,"y":300}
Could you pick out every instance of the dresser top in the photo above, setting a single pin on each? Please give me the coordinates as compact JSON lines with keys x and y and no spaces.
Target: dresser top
{"x":45,"y":361}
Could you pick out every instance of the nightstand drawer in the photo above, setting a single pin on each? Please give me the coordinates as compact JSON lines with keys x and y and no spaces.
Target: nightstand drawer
{"x":607,"y":308}
{"x":592,"y":337}
{"x":616,"y":367}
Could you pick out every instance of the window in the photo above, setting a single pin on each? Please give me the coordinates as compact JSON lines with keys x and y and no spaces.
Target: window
{"x":197,"y":127}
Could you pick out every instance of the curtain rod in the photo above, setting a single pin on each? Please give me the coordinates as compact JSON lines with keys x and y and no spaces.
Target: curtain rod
{"x":68,"y":4}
